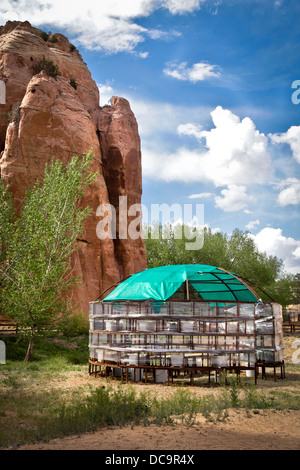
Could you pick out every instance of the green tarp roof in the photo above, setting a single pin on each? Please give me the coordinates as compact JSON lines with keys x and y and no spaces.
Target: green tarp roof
{"x":161,"y":283}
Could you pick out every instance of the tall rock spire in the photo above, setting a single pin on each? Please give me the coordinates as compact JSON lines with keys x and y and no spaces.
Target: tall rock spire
{"x":59,"y":116}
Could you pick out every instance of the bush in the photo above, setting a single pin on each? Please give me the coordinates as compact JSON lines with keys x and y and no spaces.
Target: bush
{"x":48,"y":66}
{"x":53,"y":38}
{"x":45,"y":35}
{"x":73,"y":83}
{"x":103,"y":407}
{"x":75,"y":324}
{"x":14,"y":114}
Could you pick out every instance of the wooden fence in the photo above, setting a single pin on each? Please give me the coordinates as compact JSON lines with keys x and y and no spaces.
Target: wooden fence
{"x":8,"y":326}
{"x":293,"y":327}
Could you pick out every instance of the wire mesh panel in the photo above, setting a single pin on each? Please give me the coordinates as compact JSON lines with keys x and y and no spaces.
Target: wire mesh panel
{"x":185,"y":333}
{"x":269,"y":333}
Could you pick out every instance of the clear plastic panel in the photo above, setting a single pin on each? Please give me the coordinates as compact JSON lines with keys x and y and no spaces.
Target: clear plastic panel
{"x":219,"y":360}
{"x":230,"y":310}
{"x":187,"y":325}
{"x":159,"y":308}
{"x":247,"y":343}
{"x":278,"y":325}
{"x":171,"y":325}
{"x":182,"y":308}
{"x":246,"y":310}
{"x":137,"y":326}
{"x":99,"y":324}
{"x":110,"y":356}
{"x":203,"y":309}
{"x":98,"y":308}
{"x":232,"y":327}
{"x":277,"y":310}
{"x":264,"y":325}
{"x":146,"y":325}
{"x":250,"y":326}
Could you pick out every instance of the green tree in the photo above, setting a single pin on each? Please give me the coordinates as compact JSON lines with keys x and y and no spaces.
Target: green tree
{"x":6,"y":222}
{"x":297,"y":288}
{"x":36,"y":272}
{"x":283,"y":289}
{"x":236,"y":253}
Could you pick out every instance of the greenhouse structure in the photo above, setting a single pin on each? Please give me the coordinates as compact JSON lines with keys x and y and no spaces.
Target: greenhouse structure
{"x":191,"y":319}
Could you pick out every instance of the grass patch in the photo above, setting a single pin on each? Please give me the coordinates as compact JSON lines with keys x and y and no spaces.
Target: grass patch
{"x":43,"y":415}
{"x":36,"y":404}
{"x":50,"y":346}
{"x":103,"y":407}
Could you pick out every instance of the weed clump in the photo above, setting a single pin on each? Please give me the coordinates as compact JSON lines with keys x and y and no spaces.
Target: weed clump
{"x":48,"y":66}
{"x":73,"y":83}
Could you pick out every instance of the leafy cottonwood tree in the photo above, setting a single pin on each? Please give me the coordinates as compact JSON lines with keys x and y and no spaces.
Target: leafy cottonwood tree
{"x":6,"y":221}
{"x":35,"y":265}
{"x":236,"y":253}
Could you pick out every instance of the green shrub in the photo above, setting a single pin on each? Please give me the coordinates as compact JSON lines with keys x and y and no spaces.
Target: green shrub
{"x":103,"y":407}
{"x":75,"y":324}
{"x":48,"y":66}
{"x":53,"y":38}
{"x":45,"y":35}
{"x":14,"y":114}
{"x":73,"y":83}
{"x":182,"y":405}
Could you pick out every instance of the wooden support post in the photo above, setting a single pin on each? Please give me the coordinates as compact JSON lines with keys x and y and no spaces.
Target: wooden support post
{"x":192,"y":377}
{"x":187,"y":289}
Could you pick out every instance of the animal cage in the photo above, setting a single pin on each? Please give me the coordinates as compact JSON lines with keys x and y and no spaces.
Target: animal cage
{"x":157,"y":337}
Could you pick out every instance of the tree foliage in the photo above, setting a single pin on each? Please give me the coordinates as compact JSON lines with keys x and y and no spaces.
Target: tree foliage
{"x":6,"y":224}
{"x":237,"y":253}
{"x":37,"y":245}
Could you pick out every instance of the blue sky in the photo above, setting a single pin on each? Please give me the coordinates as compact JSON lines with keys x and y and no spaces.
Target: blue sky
{"x":210,"y":83}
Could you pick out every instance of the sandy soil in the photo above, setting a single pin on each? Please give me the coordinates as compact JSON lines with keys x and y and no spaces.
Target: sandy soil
{"x":268,"y":430}
{"x":241,"y":430}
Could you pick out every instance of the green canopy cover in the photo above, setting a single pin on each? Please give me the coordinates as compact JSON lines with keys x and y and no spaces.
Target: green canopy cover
{"x":161,"y":283}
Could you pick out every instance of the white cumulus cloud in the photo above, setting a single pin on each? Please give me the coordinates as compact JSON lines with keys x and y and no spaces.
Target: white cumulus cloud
{"x":291,"y":137}
{"x":198,"y":72}
{"x":180,"y":6}
{"x":200,"y":195}
{"x":291,"y":193}
{"x":275,"y":243}
{"x":190,"y":129}
{"x":233,"y":199}
{"x":232,"y":152}
{"x":252,"y":224}
{"x":108,"y":25}
{"x":106,"y":92}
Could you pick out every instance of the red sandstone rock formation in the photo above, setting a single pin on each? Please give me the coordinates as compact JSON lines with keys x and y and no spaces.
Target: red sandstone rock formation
{"x":51,"y":118}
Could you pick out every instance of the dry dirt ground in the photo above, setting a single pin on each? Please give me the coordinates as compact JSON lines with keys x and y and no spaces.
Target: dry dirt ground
{"x":268,"y":430}
{"x":241,"y":430}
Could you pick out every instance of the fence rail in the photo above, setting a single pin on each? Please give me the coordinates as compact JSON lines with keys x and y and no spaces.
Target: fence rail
{"x":7,"y":326}
{"x":291,"y":327}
